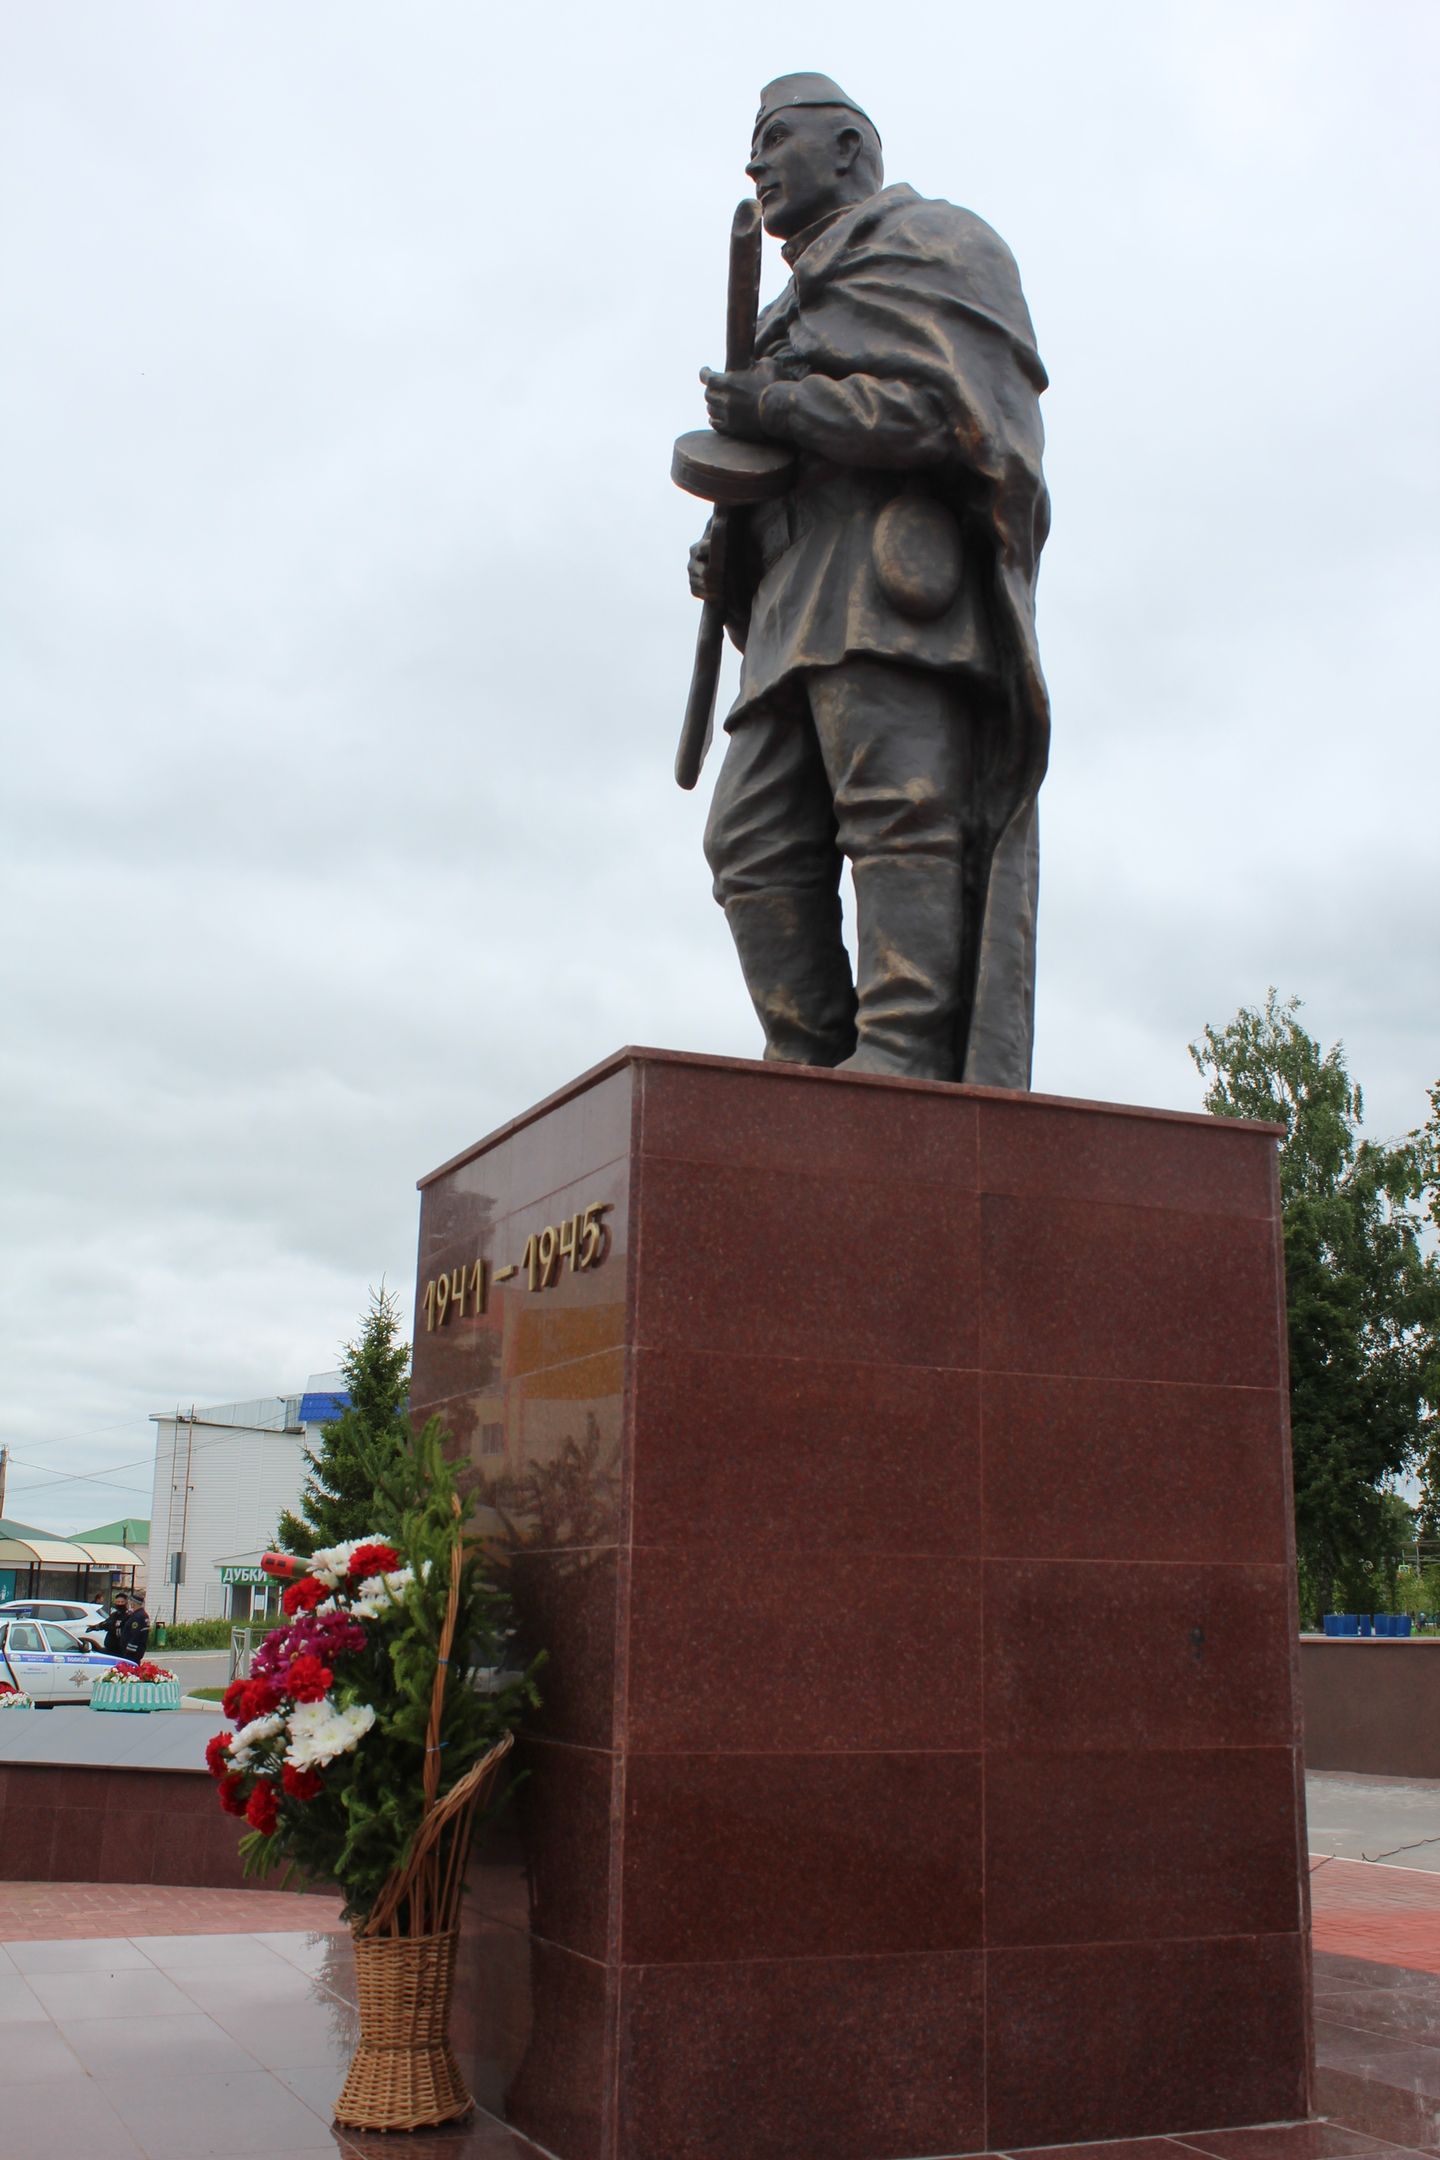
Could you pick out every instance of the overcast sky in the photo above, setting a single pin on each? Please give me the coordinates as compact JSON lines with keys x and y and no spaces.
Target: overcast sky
{"x":347,"y":635}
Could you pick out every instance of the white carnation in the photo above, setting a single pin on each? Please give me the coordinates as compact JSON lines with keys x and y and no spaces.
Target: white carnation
{"x":378,"y":1592}
{"x":319,"y":1731}
{"x":332,"y":1562}
{"x":244,"y":1743}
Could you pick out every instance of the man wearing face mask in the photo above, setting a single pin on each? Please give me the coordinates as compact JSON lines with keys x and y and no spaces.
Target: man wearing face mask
{"x":891,"y":710}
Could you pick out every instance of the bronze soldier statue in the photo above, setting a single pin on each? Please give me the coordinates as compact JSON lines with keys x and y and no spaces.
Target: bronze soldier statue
{"x":891,"y":709}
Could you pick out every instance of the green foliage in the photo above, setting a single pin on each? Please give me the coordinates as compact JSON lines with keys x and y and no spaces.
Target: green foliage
{"x":359,"y":1828}
{"x":361,"y":1448}
{"x":206,"y":1634}
{"x":1363,"y":1291}
{"x":1426,"y":1142}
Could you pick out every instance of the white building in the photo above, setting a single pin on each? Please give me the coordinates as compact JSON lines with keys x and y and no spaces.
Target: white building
{"x":223,"y":1477}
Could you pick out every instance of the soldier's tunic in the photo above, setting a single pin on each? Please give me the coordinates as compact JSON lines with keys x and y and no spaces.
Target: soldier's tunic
{"x":910,"y":541}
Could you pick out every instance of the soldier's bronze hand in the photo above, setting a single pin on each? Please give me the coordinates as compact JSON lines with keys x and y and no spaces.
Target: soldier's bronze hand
{"x":733,"y":401}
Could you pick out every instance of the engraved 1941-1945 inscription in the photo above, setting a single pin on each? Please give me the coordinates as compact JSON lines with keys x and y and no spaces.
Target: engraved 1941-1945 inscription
{"x":581,"y":1239}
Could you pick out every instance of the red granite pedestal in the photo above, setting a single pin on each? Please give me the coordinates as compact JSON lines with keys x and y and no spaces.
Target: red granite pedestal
{"x":902,"y":1499}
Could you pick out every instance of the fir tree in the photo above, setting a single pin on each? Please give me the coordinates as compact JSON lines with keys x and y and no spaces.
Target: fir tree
{"x":361,"y":1450}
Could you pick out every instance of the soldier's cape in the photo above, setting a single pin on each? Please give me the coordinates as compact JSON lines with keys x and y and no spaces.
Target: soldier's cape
{"x":924,"y":293}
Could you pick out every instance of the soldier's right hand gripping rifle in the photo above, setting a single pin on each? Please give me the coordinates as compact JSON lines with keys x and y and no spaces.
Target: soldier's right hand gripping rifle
{"x":728,"y":471}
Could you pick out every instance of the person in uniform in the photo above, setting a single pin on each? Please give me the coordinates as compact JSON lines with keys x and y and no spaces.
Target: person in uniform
{"x":891,"y":711}
{"x":111,"y":1629}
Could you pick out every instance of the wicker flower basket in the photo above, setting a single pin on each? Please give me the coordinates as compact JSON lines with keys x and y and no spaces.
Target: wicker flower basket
{"x":404,"y":2075}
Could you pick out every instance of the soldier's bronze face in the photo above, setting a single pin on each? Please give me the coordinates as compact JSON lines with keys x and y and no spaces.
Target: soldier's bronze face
{"x":798,"y":163}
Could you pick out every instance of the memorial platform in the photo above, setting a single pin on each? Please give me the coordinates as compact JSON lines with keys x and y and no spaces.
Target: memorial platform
{"x":897,"y":1477}
{"x":155,"y":2024}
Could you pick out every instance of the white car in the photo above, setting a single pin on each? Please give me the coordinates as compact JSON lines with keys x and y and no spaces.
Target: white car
{"x":70,"y":1612}
{"x":49,"y":1662}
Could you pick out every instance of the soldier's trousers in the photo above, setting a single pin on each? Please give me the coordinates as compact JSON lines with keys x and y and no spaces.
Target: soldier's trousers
{"x":868,"y":762}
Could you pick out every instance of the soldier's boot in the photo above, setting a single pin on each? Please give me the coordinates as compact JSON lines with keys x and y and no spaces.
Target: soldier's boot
{"x":909,"y":912}
{"x":797,"y":972}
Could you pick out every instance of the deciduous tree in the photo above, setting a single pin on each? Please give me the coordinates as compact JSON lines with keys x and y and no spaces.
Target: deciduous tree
{"x":1363,"y":1290}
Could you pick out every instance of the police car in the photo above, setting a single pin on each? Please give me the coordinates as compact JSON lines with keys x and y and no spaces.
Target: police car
{"x":50,"y":1663}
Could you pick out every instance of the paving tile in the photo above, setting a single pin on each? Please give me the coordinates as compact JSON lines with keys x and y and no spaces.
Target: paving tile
{"x":1404,"y":2013}
{"x":479,"y":2137}
{"x":79,"y":1957}
{"x":45,"y":1910}
{"x":1379,"y":2058}
{"x":1400,"y":2115}
{"x":293,"y":2035}
{"x":19,"y":2005}
{"x":245,"y":1989}
{"x":1286,"y":2141}
{"x":37,"y":2055}
{"x":314,"y":1953}
{"x":1336,"y":1974}
{"x":218,"y":1953}
{"x":158,"y":2044}
{"x":216,"y":2118}
{"x":124,"y":1994}
{"x":317,"y":2084}
{"x":1388,"y":1914}
{"x":334,"y":2145}
{"x":63,"y":2121}
{"x":1123,"y":2149}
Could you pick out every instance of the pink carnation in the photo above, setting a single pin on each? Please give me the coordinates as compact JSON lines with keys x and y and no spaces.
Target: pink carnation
{"x":323,"y":1636}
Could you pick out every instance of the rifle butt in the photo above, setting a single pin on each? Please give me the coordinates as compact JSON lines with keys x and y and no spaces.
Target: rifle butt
{"x":699,"y":722}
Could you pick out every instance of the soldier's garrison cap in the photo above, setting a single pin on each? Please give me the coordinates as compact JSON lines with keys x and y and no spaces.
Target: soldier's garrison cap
{"x":804,"y":90}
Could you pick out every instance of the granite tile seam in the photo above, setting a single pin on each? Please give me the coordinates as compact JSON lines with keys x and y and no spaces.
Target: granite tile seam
{"x":977,"y":1366}
{"x":1112,"y":1748}
{"x":975,"y":1185}
{"x":974,"y":1369}
{"x":980,"y":1950}
{"x":799,"y":1551}
{"x":434,"y":1405}
{"x":620,"y":1734}
{"x":971,"y":1187}
{"x":525,"y":1933}
{"x":1184,"y":2141}
{"x":983,"y":1856}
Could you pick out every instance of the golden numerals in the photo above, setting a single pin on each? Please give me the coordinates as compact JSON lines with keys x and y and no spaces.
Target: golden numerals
{"x":582,"y":1239}
{"x":445,"y":1295}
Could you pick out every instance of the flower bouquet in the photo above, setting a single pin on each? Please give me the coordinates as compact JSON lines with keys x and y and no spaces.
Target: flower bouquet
{"x":361,"y":1750}
{"x":136,"y":1687}
{"x":14,"y":1698}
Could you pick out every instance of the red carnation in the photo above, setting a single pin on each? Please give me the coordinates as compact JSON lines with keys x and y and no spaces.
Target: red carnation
{"x":376,"y":1559}
{"x":232,"y":1791}
{"x":301,"y":1784}
{"x":307,"y":1679}
{"x":231,"y":1700}
{"x":217,"y":1754}
{"x":258,"y":1699}
{"x":305,"y":1595}
{"x":263,"y":1808}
